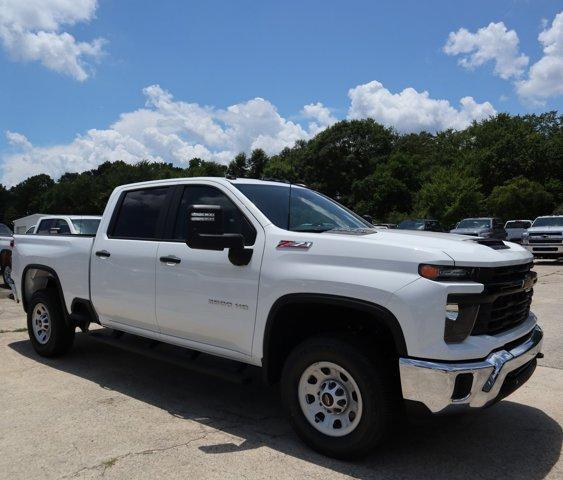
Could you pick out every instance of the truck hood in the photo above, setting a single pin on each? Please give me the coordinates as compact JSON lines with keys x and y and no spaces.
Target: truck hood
{"x":550,"y":230}
{"x":469,"y":231}
{"x":432,"y":246}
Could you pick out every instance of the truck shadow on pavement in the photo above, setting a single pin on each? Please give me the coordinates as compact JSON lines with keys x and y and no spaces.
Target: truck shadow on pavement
{"x":508,"y":441}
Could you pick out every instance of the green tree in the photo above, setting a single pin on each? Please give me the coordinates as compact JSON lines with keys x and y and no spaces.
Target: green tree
{"x":449,"y":196}
{"x":520,"y":198}
{"x":238,"y":166}
{"x":257,"y":162}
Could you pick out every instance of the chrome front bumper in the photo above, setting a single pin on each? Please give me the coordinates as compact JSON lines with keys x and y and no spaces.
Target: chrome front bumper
{"x":434,"y":383}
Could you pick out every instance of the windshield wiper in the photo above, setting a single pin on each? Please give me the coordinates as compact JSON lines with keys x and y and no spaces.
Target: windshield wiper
{"x":312,"y":229}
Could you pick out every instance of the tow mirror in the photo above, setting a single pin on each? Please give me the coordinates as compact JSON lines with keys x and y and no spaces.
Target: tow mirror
{"x":205,"y":232}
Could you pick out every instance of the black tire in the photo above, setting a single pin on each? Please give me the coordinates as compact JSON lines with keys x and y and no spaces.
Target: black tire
{"x":6,"y":271}
{"x":61,"y":335}
{"x":376,"y":381}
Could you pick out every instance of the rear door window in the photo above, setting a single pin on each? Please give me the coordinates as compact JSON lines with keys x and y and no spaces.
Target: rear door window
{"x":45,"y":226}
{"x":140,"y":214}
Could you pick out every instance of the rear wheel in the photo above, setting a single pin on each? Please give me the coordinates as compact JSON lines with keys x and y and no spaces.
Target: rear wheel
{"x":48,"y":330}
{"x":341,"y":401}
{"x":6,"y":275}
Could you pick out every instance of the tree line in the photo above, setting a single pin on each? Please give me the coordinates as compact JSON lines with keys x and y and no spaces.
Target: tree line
{"x":509,"y":166}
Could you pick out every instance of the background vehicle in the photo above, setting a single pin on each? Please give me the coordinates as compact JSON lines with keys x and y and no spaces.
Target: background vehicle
{"x":67,"y":225}
{"x":5,"y":253}
{"x":486,"y":227}
{"x":545,"y":237}
{"x":420,"y":224}
{"x":515,"y":229}
{"x":350,"y":319}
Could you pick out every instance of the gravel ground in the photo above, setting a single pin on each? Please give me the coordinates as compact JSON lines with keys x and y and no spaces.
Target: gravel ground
{"x":105,"y":412}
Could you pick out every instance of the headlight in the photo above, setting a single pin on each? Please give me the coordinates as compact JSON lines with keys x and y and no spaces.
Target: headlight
{"x":445,"y":273}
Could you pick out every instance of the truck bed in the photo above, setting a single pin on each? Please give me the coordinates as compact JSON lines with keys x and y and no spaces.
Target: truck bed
{"x":67,"y":255}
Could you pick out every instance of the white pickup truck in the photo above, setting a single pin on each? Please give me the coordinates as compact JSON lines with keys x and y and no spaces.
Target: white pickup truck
{"x":353,"y":320}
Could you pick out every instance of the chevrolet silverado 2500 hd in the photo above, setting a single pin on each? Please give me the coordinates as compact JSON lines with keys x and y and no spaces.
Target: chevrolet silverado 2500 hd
{"x":352,"y":320}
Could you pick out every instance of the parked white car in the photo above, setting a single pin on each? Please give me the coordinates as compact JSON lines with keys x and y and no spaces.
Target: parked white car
{"x":545,"y":237}
{"x":353,"y":320}
{"x":67,"y":225}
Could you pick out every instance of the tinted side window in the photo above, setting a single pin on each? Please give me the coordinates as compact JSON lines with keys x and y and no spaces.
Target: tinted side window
{"x":4,"y":231}
{"x":139,"y":213}
{"x":45,"y":226}
{"x":233,"y":219}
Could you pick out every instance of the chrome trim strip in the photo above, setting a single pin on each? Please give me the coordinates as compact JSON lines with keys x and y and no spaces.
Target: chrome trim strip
{"x":432,"y":383}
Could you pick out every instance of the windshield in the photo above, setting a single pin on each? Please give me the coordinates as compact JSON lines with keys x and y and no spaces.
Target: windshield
{"x":301,"y":210}
{"x":411,"y":225}
{"x":5,"y":231}
{"x":86,"y":226}
{"x":474,"y":223}
{"x":548,"y":222}
{"x":518,"y":224}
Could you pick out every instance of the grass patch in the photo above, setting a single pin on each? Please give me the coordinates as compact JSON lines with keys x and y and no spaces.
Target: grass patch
{"x":109,"y":463}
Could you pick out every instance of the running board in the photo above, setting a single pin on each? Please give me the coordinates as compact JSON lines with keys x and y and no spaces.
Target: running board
{"x":229,"y":370}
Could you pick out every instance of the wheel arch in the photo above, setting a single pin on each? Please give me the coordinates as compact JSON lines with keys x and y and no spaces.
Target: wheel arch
{"x":373,"y":316}
{"x":36,"y":277}
{"x":5,"y":258}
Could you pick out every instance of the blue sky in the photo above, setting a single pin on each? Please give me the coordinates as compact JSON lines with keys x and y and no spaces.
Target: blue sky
{"x":225,"y":53}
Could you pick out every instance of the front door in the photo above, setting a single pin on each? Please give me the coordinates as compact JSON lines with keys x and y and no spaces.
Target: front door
{"x":200,"y":295}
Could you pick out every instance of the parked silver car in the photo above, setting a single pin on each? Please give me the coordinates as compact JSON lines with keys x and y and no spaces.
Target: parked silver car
{"x":486,"y":227}
{"x":515,"y":229}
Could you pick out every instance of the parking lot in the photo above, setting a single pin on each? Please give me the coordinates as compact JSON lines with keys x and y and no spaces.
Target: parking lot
{"x":105,"y":412}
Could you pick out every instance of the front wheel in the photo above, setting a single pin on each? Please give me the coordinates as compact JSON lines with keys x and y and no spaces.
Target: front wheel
{"x":341,"y":399}
{"x":50,"y":334}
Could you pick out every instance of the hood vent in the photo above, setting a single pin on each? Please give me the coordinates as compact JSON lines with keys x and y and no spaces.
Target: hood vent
{"x":493,"y":243}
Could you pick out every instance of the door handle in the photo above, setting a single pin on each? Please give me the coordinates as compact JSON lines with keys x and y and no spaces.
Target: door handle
{"x":103,"y":253}
{"x":170,"y":259}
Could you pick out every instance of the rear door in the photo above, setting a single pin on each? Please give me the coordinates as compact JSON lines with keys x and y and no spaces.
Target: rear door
{"x":200,"y":295}
{"x":123,"y":260}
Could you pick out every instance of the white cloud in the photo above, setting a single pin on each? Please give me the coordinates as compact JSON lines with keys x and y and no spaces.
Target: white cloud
{"x":30,"y":30}
{"x":545,"y":78}
{"x":165,"y":130}
{"x":491,"y":43}
{"x":412,"y":111}
{"x":319,"y":115}
{"x":175,"y":131}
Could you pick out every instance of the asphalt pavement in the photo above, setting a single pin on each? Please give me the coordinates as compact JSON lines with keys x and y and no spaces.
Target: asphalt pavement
{"x":102,"y":411}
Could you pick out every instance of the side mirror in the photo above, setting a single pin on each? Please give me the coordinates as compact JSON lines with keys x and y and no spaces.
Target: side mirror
{"x":368,"y":218}
{"x":205,"y":232}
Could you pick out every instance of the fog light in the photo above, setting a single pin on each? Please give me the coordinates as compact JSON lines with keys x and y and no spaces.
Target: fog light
{"x":452,"y":311}
{"x":459,"y":321}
